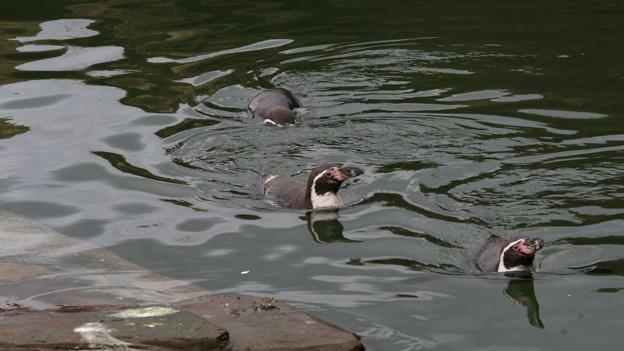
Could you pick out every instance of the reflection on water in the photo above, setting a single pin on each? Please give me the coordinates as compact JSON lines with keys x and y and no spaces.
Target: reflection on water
{"x":325,"y":226}
{"x":8,"y":129}
{"x":125,"y":123}
{"x":521,"y":290}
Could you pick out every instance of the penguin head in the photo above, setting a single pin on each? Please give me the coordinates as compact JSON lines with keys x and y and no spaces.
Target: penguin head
{"x":519,"y":254}
{"x":324,"y":183}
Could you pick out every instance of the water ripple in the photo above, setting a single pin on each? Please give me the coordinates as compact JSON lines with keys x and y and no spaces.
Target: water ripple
{"x":263,"y":45}
{"x":62,"y":29}
{"x":464,"y":127}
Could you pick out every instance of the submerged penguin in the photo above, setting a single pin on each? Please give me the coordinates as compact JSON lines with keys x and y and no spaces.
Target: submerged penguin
{"x":321,"y":190}
{"x":503,"y":255}
{"x":275,"y":107}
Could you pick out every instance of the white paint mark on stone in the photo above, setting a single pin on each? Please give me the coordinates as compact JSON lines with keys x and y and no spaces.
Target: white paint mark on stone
{"x":99,"y":337}
{"x":152,"y":311}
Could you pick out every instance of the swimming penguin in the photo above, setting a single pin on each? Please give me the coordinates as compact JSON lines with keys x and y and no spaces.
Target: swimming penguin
{"x":503,"y":255}
{"x":275,"y":107}
{"x":321,"y":190}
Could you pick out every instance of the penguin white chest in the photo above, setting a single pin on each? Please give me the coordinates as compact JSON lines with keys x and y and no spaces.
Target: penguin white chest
{"x":328,"y":199}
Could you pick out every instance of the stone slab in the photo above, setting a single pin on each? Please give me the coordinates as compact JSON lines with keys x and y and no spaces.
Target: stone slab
{"x":159,"y":328}
{"x":263,"y":324}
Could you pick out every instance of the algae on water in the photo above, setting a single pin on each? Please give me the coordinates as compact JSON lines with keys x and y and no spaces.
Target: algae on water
{"x":8,"y":130}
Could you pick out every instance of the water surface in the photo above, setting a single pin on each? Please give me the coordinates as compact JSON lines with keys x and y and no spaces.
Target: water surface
{"x":124,"y":123}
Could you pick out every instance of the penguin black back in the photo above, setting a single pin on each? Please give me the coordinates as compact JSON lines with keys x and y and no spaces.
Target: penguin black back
{"x":274,"y":106}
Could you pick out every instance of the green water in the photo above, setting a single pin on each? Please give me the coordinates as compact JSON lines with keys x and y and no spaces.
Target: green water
{"x":124,"y":123}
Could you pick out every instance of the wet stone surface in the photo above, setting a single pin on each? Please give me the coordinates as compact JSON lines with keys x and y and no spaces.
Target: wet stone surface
{"x":107,"y":327}
{"x":266,"y":324}
{"x":219,"y":322}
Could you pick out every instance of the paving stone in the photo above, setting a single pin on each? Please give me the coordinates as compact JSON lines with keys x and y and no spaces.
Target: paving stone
{"x":263,"y":323}
{"x":110,"y":327}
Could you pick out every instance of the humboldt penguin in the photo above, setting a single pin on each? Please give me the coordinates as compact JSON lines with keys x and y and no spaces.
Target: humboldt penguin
{"x":320,"y":191}
{"x":508,"y":255}
{"x":275,"y":107}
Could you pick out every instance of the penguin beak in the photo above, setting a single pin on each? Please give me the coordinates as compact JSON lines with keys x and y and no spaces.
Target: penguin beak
{"x":531,"y":246}
{"x":345,"y":173}
{"x":536,"y":243}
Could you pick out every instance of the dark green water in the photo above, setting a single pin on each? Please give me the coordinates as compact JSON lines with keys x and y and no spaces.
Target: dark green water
{"x":123,"y":123}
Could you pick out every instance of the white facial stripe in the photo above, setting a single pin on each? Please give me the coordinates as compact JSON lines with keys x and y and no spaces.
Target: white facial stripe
{"x":318,"y":176}
{"x":501,"y":264}
{"x":269,"y":121}
{"x":328,"y":199}
{"x":270,"y":178}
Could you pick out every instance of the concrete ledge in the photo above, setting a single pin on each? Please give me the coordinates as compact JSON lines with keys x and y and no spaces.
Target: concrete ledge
{"x":266,"y":324}
{"x":110,"y":327}
{"x":67,"y":294}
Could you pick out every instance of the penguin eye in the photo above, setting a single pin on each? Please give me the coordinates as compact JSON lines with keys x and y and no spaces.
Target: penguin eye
{"x":515,"y":248}
{"x":327,"y":174}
